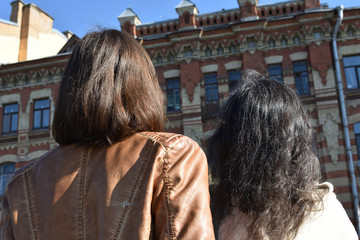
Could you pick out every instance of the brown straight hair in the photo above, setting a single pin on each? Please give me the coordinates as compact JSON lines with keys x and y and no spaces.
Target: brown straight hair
{"x":108,"y":91}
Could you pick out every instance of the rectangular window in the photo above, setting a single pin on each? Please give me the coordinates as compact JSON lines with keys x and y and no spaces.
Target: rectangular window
{"x":6,"y":170}
{"x":10,"y":118}
{"x":357,"y":138}
{"x":173,"y":94}
{"x":41,"y":113}
{"x":301,"y":78}
{"x":211,"y":87}
{"x":352,"y":71}
{"x":234,"y":77}
{"x":275,"y":72}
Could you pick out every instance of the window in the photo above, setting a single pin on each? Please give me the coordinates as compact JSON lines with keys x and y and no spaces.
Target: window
{"x":173,"y":94}
{"x":352,"y":71}
{"x":38,"y":78}
{"x":350,"y":32}
{"x":232,"y":49}
{"x":159,"y":60}
{"x":187,"y":18}
{"x":16,"y":82}
{"x":10,"y":118}
{"x":251,"y":43}
{"x":220,"y":50}
{"x":301,"y":78}
{"x":188,"y":52}
{"x":275,"y":72}
{"x":41,"y":113}
{"x":296,"y":40}
{"x":271,"y":43}
{"x":317,"y":35}
{"x":27,"y":79}
{"x":283,"y":42}
{"x":211,"y":87}
{"x":357,"y":138}
{"x":208,"y":52}
{"x":234,"y":78}
{"x":171,"y":58}
{"x":50,"y":77}
{"x":6,"y":170}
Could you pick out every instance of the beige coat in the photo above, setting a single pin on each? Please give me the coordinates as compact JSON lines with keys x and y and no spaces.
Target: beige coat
{"x":332,"y":223}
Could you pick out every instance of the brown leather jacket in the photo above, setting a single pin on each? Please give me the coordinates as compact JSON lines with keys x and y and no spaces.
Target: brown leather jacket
{"x":149,"y":186}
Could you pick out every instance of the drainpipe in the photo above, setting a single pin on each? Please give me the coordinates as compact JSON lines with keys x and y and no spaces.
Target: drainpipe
{"x":344,"y":118}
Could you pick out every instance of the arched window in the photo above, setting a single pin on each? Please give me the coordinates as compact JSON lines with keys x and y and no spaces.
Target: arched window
{"x":208,"y":52}
{"x":159,"y":60}
{"x":38,"y":78}
{"x":186,"y":18}
{"x":296,"y":40}
{"x":6,"y":170}
{"x":27,"y":79}
{"x":232,"y":48}
{"x":220,"y":50}
{"x":16,"y":82}
{"x":50,"y":76}
{"x":251,"y":43}
{"x":350,"y":32}
{"x":284,"y":42}
{"x":171,"y":58}
{"x":271,"y":43}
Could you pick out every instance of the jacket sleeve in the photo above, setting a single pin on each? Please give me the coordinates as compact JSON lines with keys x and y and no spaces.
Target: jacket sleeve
{"x":181,"y":204}
{"x":6,"y":230}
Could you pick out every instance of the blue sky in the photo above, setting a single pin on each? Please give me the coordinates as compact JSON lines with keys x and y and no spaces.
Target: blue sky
{"x":80,"y":16}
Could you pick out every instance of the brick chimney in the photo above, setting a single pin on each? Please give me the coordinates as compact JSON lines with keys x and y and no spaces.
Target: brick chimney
{"x":187,"y":12}
{"x":309,"y":4}
{"x":128,"y":21}
{"x":248,"y":9}
{"x":16,"y":11}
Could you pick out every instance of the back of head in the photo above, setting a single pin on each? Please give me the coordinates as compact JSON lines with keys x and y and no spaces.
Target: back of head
{"x":262,"y":154}
{"x":109,"y":90}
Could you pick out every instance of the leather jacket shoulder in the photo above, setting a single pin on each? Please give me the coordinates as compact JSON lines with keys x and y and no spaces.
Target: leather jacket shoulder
{"x":149,"y":186}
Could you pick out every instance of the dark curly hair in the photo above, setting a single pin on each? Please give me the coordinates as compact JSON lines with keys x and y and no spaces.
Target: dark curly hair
{"x":263,"y":160}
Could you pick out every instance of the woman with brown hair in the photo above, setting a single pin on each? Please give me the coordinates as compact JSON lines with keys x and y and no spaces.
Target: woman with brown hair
{"x":114,"y":175}
{"x":267,"y":172}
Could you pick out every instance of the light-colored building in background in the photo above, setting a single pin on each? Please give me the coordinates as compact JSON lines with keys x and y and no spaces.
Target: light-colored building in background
{"x":29,"y":34}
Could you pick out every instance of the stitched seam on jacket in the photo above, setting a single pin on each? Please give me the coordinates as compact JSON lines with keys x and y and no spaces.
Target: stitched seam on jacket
{"x":167,"y":195}
{"x":133,"y":192}
{"x":161,"y":143}
{"x":23,"y":170}
{"x":81,"y":200}
{"x":30,"y":206}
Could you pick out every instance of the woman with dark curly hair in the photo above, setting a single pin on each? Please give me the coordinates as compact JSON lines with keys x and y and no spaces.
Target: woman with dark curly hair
{"x":266,"y":170}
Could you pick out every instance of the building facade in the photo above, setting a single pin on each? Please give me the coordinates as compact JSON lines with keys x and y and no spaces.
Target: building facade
{"x":199,"y":58}
{"x":29,"y":34}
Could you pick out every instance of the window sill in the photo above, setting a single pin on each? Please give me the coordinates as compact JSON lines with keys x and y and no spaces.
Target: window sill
{"x":39,"y":133}
{"x":8,"y":138}
{"x":174,"y":112}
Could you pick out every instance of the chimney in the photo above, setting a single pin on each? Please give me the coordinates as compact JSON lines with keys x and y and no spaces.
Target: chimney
{"x":248,"y":9}
{"x":16,"y":11}
{"x":128,"y":21}
{"x":309,"y":4}
{"x":187,"y":12}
